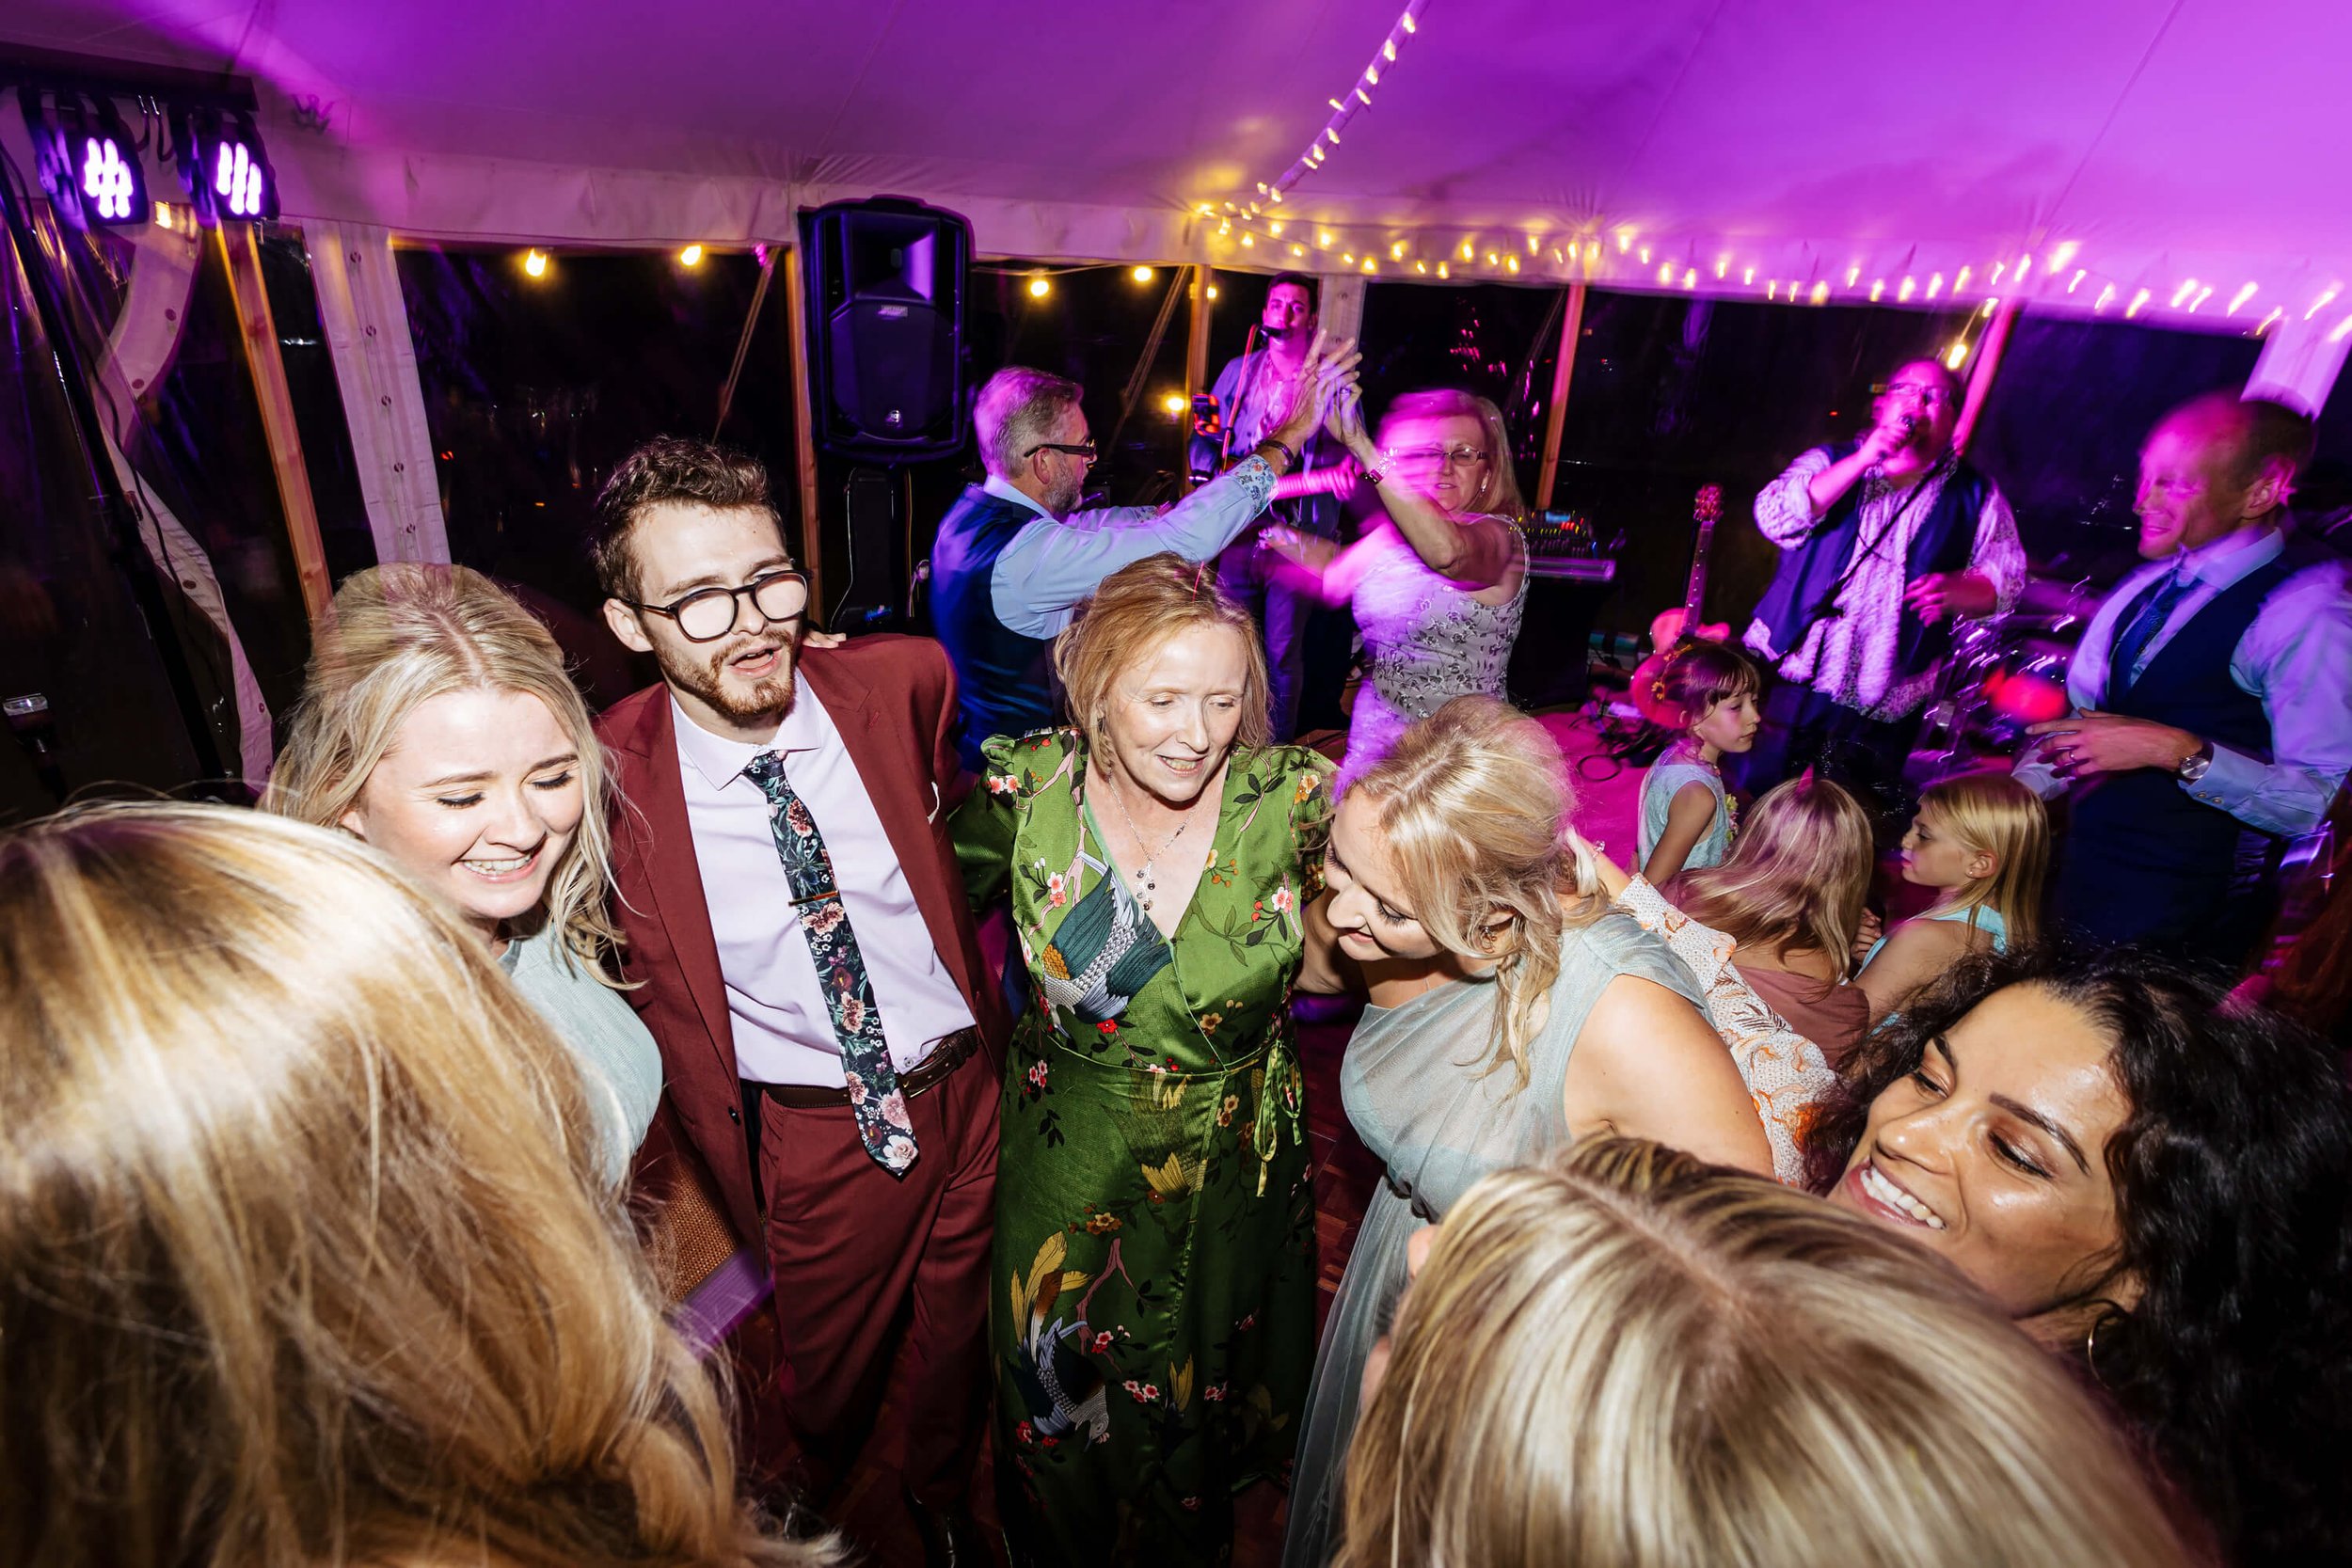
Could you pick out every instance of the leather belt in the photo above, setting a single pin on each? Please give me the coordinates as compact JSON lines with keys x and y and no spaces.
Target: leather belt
{"x":946,"y":1056}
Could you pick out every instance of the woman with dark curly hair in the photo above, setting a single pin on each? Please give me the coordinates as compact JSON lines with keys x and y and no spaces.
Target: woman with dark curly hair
{"x":2150,"y":1182}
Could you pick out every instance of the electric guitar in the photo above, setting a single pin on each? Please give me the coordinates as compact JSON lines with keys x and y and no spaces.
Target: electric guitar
{"x":1670,"y":625}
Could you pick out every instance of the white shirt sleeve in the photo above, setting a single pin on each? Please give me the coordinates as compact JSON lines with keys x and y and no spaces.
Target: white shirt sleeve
{"x":1784,"y":512}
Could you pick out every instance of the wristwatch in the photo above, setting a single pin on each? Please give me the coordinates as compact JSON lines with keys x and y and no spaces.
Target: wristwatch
{"x":2194,"y":765}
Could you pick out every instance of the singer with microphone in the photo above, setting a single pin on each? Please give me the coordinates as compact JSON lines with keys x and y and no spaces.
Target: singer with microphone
{"x":1883,"y":541}
{"x":1253,"y":394}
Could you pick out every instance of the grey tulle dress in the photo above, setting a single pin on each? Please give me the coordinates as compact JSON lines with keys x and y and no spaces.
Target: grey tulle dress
{"x":1411,"y":1082}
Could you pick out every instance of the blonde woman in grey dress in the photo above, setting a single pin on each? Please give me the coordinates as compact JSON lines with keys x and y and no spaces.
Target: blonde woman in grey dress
{"x":1438,"y":582}
{"x":1511,"y":1011}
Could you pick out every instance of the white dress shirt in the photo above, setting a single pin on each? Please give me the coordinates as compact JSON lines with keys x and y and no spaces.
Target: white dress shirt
{"x":2295,"y":657}
{"x":1052,"y":564}
{"x":782,"y":1032}
{"x":1850,"y":656}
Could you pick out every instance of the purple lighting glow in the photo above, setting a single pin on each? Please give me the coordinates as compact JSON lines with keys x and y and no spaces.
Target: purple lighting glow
{"x":238,"y":182}
{"x":227,"y":173}
{"x":107,"y":181}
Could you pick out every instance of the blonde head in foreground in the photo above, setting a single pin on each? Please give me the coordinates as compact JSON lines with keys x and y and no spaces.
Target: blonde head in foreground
{"x":302,"y":1259}
{"x":1623,"y":1358}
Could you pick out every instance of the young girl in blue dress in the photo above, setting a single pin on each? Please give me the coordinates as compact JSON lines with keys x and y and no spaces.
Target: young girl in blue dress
{"x":1982,"y":840}
{"x":1710,"y":691}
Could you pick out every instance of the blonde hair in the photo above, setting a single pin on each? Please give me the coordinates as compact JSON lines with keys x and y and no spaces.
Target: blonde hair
{"x":1993,"y":814}
{"x":1623,"y":1356}
{"x":1502,"y":497}
{"x":1473,"y":808}
{"x":397,"y":636}
{"x":1798,"y":877}
{"x":1134,"y":613}
{"x":303,"y":1258}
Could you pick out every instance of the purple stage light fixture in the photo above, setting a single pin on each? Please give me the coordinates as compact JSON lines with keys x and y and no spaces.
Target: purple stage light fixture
{"x":221,"y":163}
{"x":86,"y":159}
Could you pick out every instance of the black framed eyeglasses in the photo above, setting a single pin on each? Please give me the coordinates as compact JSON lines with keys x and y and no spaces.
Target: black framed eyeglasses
{"x":708,"y":614}
{"x":1083,"y":450}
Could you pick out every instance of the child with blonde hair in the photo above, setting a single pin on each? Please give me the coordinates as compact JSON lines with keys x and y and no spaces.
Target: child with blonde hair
{"x":1982,"y":840}
{"x":1708,"y":691}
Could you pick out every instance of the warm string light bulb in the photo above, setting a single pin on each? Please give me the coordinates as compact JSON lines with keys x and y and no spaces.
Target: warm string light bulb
{"x":1142,"y":274}
{"x":535,"y":264}
{"x":691,"y":257}
{"x":1039,"y":287}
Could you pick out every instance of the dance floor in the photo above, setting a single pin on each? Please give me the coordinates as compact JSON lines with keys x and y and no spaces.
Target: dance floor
{"x":1607,"y":800}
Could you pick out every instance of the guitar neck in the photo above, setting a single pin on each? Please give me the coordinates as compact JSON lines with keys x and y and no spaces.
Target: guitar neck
{"x":1696,"y":592}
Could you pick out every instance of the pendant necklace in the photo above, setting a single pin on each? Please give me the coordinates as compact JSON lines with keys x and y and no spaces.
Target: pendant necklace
{"x":1143,"y":873}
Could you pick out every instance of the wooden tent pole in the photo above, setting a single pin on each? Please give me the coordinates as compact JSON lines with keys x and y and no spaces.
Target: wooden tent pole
{"x":1990,"y":348}
{"x":241,"y":256}
{"x":1196,"y":352}
{"x":804,"y":419}
{"x":1563,"y":373}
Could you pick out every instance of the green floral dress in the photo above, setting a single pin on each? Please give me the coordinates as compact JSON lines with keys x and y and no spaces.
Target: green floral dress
{"x":1153,"y":1322}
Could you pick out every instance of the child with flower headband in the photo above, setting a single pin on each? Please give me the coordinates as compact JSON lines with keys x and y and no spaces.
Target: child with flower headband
{"x":1709,"y":692}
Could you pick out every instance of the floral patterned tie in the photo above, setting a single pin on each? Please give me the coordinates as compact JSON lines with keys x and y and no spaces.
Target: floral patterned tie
{"x":873,"y":1081}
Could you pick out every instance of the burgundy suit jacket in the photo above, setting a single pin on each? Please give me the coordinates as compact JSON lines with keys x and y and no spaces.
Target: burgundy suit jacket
{"x":893,"y":700}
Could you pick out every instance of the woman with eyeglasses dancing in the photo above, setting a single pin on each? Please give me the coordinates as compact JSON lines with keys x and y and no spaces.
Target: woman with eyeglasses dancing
{"x":2151,"y":1181}
{"x":1438,"y":582}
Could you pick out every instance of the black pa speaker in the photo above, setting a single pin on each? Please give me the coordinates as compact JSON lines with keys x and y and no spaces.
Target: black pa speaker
{"x":887,"y":279}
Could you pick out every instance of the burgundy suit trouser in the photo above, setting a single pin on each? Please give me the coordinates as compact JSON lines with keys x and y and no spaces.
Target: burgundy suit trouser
{"x":867,"y":1264}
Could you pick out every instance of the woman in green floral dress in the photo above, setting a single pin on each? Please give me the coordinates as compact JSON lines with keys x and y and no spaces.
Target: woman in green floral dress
{"x":1152,"y":1324}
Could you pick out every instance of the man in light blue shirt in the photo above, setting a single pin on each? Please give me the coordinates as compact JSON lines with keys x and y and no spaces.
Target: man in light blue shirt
{"x":2213,"y":694}
{"x":1014,"y":559}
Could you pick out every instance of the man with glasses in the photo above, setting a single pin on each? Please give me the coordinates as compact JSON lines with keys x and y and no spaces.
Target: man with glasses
{"x":1014,"y":556}
{"x":1883,"y":541}
{"x":807,"y":960}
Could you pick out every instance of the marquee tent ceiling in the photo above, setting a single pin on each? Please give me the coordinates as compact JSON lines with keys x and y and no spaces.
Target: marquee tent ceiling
{"x":2191,"y":149}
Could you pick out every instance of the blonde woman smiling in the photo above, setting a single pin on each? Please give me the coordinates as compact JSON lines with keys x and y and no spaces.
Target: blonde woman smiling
{"x":437,"y":724}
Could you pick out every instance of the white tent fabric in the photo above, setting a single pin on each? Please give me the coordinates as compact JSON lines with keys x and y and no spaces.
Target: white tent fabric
{"x":2183,"y":157}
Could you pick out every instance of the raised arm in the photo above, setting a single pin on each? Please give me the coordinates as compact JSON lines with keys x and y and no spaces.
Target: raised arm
{"x":1051,"y":566}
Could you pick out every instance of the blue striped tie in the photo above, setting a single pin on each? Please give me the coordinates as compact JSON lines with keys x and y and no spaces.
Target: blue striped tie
{"x":2155,"y":609}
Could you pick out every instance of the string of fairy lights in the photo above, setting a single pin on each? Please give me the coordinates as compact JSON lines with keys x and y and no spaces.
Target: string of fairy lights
{"x":1621,"y":257}
{"x":1258,"y":233}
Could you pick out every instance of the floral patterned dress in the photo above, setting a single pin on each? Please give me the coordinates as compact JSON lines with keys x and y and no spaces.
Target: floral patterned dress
{"x":1153,"y":1320}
